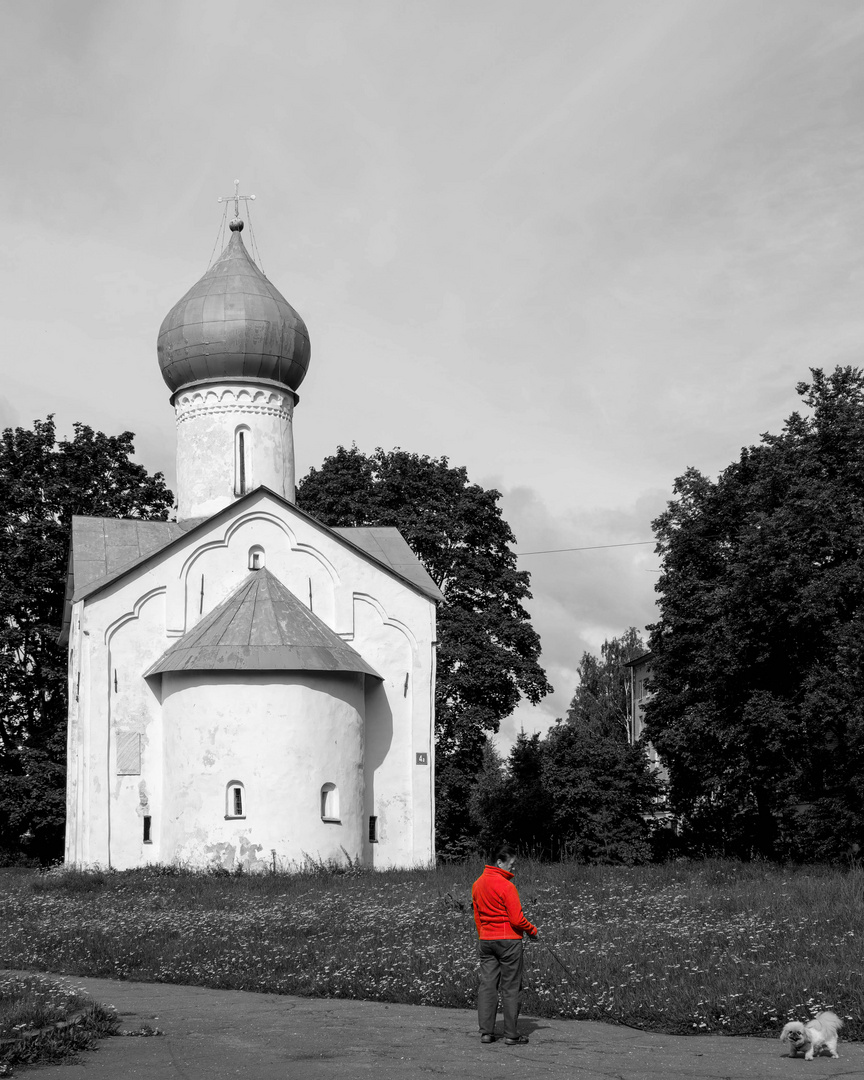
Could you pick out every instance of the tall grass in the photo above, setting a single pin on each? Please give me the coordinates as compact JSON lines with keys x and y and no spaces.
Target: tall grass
{"x":44,"y":1020}
{"x":681,"y":948}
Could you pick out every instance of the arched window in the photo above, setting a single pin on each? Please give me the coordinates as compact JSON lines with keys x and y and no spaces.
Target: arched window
{"x":242,"y":460}
{"x":329,"y":803}
{"x":235,"y":800}
{"x":256,"y":557}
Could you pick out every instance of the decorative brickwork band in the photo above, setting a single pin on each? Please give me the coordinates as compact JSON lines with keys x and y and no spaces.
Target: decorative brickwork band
{"x":192,"y":404}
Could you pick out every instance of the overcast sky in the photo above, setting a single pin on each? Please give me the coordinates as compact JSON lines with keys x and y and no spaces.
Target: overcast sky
{"x":574,"y":245}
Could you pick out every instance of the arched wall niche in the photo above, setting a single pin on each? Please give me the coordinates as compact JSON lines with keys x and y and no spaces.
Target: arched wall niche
{"x":216,"y":567}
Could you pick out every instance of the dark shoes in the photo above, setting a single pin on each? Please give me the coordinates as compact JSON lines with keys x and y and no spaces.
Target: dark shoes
{"x":520,"y":1040}
{"x":487,"y":1038}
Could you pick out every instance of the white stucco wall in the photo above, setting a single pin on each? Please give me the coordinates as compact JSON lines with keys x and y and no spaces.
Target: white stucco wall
{"x":208,"y":417}
{"x":129,"y":625}
{"x":283,"y":736}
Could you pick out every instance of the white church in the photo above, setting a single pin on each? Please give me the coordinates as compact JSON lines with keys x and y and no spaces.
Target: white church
{"x":247,"y":687}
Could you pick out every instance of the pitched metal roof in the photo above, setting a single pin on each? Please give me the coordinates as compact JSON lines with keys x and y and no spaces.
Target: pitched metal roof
{"x":262,"y":626}
{"x":101,"y":543}
{"x":388,"y":546}
{"x":103,"y":548}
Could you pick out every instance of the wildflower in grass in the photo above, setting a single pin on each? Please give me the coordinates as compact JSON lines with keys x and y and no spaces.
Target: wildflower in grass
{"x":658,"y":947}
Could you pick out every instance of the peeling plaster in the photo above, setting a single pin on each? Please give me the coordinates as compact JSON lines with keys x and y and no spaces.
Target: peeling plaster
{"x":281,"y":742}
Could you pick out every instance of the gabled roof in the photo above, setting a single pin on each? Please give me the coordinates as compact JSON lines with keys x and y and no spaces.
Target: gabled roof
{"x":262,"y":626}
{"x":386,"y":545}
{"x":103,"y":550}
{"x":104,"y":547}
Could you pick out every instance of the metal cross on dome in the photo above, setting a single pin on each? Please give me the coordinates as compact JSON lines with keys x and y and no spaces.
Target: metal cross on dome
{"x":237,"y":197}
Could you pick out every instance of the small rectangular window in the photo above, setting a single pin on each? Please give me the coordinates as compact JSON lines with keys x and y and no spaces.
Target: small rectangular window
{"x":128,"y":753}
{"x":373,"y":830}
{"x":147,"y":821}
{"x":238,"y":801}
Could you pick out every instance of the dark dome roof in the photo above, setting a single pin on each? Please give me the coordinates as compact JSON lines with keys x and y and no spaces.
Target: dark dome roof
{"x":233,"y":324}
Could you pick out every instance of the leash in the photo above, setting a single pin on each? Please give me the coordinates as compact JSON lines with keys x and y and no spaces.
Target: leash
{"x":558,"y":959}
{"x":464,"y":910}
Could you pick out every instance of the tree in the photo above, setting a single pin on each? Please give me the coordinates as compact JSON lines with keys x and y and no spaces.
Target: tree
{"x":487,"y":648}
{"x":509,"y":801}
{"x":602,"y":791}
{"x":757,"y":682}
{"x":43,"y":484}
{"x":489,"y":804}
{"x":602,"y":697}
{"x":601,"y":788}
{"x":582,"y":792}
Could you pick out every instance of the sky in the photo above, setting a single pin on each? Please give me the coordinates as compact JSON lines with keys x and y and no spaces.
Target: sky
{"x":576,"y":246}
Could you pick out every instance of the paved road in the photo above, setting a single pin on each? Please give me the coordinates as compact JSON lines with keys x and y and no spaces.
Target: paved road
{"x":217,"y":1034}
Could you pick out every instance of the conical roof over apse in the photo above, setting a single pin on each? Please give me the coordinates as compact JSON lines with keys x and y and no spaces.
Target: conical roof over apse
{"x":233,"y":324}
{"x":262,"y":626}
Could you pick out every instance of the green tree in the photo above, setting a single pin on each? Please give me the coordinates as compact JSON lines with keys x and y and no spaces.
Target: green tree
{"x":530,"y":805}
{"x":582,"y":792}
{"x":509,"y":801}
{"x":600,"y":789}
{"x":487,"y":648}
{"x":602,"y":698}
{"x":489,"y":804}
{"x":757,"y":681}
{"x":43,"y":484}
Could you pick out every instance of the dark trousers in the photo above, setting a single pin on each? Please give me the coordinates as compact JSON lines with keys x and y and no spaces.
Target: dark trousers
{"x":500,"y":974}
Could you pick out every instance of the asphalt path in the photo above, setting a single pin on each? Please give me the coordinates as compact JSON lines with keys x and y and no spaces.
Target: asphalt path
{"x":216,"y":1034}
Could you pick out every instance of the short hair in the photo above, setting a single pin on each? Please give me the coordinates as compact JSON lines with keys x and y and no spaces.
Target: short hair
{"x":501,"y":853}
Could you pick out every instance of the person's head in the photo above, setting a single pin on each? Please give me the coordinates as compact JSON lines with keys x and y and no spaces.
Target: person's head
{"x":503,"y":856}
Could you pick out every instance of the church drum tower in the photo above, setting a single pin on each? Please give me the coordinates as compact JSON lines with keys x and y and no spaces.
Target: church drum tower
{"x":245,"y":684}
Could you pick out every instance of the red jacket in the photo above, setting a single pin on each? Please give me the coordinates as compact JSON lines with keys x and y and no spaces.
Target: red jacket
{"x":497,"y":911}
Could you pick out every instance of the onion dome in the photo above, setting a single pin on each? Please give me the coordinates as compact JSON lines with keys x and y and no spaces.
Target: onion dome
{"x":233,"y":325}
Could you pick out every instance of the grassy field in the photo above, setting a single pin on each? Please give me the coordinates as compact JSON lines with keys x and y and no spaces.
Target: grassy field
{"x":681,"y":948}
{"x":44,"y":1020}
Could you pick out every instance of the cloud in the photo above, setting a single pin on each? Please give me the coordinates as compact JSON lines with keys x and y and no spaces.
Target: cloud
{"x":8,"y":414}
{"x":575,"y":252}
{"x":580,"y":598}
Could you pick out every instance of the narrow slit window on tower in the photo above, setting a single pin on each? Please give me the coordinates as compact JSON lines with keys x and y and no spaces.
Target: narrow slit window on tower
{"x":373,"y":830}
{"x":147,"y":824}
{"x":242,"y":461}
{"x":241,"y":450}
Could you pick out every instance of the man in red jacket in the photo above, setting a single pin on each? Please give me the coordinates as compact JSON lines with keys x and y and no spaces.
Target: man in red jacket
{"x":500,"y":925}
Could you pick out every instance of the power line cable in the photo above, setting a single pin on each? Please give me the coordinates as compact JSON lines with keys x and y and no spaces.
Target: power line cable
{"x":589,"y":547}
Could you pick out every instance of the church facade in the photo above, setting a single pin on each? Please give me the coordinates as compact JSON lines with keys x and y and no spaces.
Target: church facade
{"x":247,"y":687}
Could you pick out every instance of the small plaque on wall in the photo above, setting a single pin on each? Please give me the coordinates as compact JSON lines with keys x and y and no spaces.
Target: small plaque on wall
{"x":422,"y":759}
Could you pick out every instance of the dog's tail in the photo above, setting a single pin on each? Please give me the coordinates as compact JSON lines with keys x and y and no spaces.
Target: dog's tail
{"x":829,"y":1017}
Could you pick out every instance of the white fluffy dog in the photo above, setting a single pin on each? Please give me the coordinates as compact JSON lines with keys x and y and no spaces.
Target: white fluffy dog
{"x":816,"y":1035}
